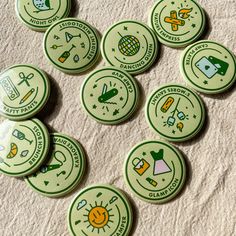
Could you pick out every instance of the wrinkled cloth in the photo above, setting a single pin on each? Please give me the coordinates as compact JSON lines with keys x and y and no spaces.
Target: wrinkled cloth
{"x":207,"y":204}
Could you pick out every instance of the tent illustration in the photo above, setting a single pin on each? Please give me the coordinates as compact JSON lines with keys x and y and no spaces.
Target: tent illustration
{"x":42,"y":5}
{"x":160,"y":166}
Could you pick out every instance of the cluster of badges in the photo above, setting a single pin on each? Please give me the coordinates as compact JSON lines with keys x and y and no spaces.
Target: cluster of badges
{"x":155,"y":171}
{"x":52,"y":166}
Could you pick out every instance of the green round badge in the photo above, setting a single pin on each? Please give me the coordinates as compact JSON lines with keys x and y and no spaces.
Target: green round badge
{"x":63,"y":171}
{"x":177,"y":23}
{"x":23,"y":146}
{"x":100,"y":210}
{"x":24,"y":90}
{"x":40,"y":14}
{"x":175,"y":112}
{"x":71,"y":45}
{"x":208,"y":67}
{"x":155,"y":171}
{"x":109,"y":95}
{"x":130,"y":45}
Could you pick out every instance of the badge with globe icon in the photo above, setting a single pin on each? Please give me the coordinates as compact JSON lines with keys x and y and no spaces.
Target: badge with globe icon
{"x":130,"y":45}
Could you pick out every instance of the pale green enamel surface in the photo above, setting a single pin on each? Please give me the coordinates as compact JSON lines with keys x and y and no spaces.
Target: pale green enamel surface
{"x":71,"y":45}
{"x":100,"y":210}
{"x":175,"y":112}
{"x":23,"y":146}
{"x":177,"y":23}
{"x":130,"y":45}
{"x":40,"y":14}
{"x":155,"y":181}
{"x":208,"y":67}
{"x":24,"y":90}
{"x":102,"y":84}
{"x":64,"y":169}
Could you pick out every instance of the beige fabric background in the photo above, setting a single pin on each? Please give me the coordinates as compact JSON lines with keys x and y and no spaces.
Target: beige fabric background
{"x":207,"y":204}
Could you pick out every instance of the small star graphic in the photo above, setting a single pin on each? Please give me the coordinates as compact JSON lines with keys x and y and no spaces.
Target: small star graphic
{"x":221,"y":80}
{"x":125,"y":28}
{"x":91,"y":95}
{"x":172,"y":3}
{"x":94,"y":106}
{"x":163,"y":180}
{"x":113,"y":50}
{"x":137,"y":32}
{"x":104,"y":114}
{"x":94,"y":86}
{"x":144,"y":153}
{"x":173,"y":131}
{"x":194,"y":116}
{"x":205,"y":82}
{"x":193,"y":25}
{"x":116,"y":112}
{"x":186,"y":107}
{"x":121,"y":98}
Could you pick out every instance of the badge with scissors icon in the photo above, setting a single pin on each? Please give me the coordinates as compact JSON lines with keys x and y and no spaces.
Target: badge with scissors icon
{"x":24,"y":79}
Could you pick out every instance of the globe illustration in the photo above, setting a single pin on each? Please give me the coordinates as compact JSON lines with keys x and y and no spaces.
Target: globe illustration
{"x":129,"y":45}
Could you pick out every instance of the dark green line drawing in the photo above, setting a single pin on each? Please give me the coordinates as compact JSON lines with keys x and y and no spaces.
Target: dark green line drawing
{"x":65,"y":55}
{"x":24,"y":79}
{"x":9,"y":88}
{"x":2,"y":161}
{"x":69,"y":36}
{"x":107,"y":95}
{"x":40,"y":19}
{"x":27,"y":96}
{"x":54,"y":46}
{"x":24,"y":153}
{"x":151,"y":181}
{"x":128,"y":45}
{"x":113,"y":199}
{"x":21,"y":136}
{"x":42,"y":5}
{"x":160,"y":166}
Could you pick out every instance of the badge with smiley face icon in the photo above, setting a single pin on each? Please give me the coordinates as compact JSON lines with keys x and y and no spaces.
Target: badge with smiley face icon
{"x":100,"y":210}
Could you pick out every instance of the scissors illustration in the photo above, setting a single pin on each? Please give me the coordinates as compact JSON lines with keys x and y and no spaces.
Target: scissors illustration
{"x":25,"y":78}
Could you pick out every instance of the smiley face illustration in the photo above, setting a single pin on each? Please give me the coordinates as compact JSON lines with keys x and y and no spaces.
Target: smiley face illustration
{"x":100,"y":210}
{"x":98,"y":217}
